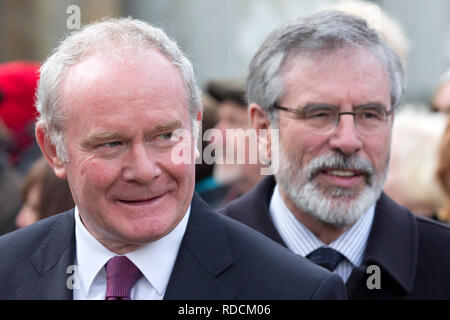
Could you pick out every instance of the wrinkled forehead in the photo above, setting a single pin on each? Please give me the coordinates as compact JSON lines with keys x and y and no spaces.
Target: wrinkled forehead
{"x":344,"y":78}
{"x":102,"y":91}
{"x":331,"y":65}
{"x":122,"y":72}
{"x":328,"y":58}
{"x":124,"y":57}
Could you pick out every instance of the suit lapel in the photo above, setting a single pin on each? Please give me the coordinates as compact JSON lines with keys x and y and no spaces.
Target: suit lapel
{"x":204,"y":253}
{"x":392,"y":245}
{"x":51,"y":261}
{"x":256,"y":208}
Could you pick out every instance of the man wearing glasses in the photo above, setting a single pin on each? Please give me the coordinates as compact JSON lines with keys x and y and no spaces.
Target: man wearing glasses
{"x":331,"y":86}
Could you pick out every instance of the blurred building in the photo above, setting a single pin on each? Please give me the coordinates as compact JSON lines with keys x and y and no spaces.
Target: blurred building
{"x":221,"y":36}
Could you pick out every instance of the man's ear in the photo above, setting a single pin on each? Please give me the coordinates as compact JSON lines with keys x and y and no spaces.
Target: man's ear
{"x":261,"y":123}
{"x":199,"y":116}
{"x":49,"y":151}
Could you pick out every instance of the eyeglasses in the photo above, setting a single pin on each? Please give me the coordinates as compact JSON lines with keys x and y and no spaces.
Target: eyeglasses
{"x":323,"y":118}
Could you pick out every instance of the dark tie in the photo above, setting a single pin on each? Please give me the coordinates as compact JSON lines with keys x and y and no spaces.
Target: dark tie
{"x":326,"y":257}
{"x":121,"y":276}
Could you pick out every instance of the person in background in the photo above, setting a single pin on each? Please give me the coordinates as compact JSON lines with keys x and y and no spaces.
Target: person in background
{"x":204,"y":179}
{"x":18,"y":81}
{"x":411,"y":180}
{"x":234,"y":178}
{"x":388,"y":29}
{"x":440,"y":102}
{"x":10,"y":181}
{"x":443,"y":172}
{"x":331,"y":86}
{"x":119,"y":113}
{"x":43,"y":195}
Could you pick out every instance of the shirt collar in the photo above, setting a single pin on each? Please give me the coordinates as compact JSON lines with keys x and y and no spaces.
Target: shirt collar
{"x":352,"y":243}
{"x":302,"y":241}
{"x":155,"y":259}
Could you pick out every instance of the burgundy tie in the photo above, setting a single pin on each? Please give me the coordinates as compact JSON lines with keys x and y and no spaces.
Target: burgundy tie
{"x":121,"y":276}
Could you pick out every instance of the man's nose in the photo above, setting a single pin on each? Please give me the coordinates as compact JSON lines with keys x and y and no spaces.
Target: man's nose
{"x":141,"y":166}
{"x":222,"y":126}
{"x":345,"y":137}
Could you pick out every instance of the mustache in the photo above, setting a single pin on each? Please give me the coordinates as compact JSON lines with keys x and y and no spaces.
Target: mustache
{"x":342,"y":162}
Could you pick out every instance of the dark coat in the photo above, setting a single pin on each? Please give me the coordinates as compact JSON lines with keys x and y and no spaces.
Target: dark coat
{"x":412,"y":252}
{"x":219,"y":258}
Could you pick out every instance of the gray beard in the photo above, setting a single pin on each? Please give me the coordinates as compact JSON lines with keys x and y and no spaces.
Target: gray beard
{"x":336,"y":206}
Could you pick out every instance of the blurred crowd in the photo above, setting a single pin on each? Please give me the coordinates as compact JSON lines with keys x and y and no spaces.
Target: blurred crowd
{"x":419,"y":175}
{"x":29,"y":191}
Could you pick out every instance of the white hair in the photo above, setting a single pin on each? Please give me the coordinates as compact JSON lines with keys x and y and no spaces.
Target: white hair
{"x":113,"y":35}
{"x":414,"y":157}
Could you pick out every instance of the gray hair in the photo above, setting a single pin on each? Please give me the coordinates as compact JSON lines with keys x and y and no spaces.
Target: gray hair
{"x":323,"y":32}
{"x":106,"y":36}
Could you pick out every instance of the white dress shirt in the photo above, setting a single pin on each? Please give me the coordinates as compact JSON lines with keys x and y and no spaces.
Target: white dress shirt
{"x":300,"y":240}
{"x":155,"y":260}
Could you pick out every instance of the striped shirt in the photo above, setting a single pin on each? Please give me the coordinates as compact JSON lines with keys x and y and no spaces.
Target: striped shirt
{"x":300,"y":240}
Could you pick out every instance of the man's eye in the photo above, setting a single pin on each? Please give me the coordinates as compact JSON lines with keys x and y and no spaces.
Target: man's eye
{"x":109,"y":148}
{"x":166,"y":139}
{"x":371,"y":115}
{"x":166,"y":136}
{"x":111,"y":144}
{"x":319,"y":114}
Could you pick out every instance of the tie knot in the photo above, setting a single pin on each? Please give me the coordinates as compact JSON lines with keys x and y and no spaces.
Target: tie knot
{"x":326,"y":257}
{"x":121,"y":276}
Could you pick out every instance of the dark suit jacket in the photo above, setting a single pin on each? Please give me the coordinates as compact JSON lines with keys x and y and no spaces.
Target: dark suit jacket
{"x":219,"y":258}
{"x":413,"y":253}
